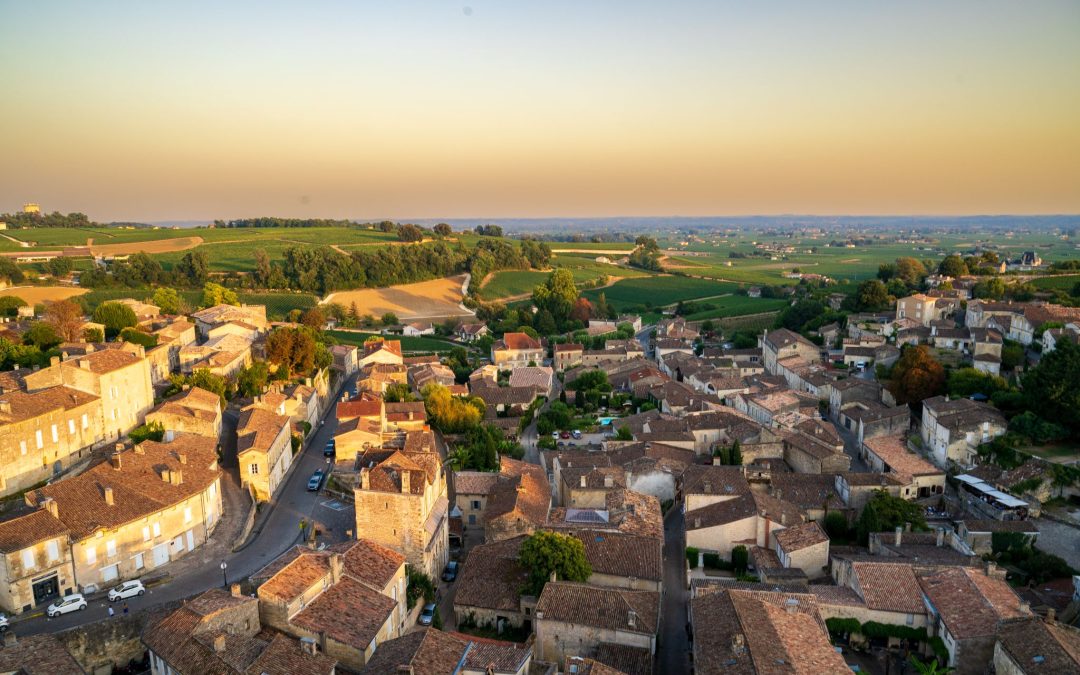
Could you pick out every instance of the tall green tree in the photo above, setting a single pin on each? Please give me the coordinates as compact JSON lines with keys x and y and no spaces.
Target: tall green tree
{"x":115,"y":316}
{"x":916,"y":376}
{"x":167,"y":299}
{"x":216,"y":294}
{"x":1051,"y":387}
{"x":884,"y":513}
{"x":545,"y":552}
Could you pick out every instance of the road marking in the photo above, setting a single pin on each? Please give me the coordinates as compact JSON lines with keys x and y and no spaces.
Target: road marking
{"x":335,"y":505}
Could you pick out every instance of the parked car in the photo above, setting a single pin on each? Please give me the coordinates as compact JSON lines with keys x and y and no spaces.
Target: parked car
{"x":427,"y":615}
{"x":576,"y":434}
{"x":331,"y":448}
{"x":555,"y":435}
{"x":315,"y":482}
{"x":450,"y":573}
{"x":72,"y":603}
{"x":565,"y":434}
{"x":128,"y":589}
{"x":4,"y":624}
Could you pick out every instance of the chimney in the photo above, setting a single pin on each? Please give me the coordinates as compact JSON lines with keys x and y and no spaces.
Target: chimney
{"x":115,"y":460}
{"x":234,"y":590}
{"x":631,"y":619}
{"x":335,"y":568}
{"x":185,"y":387}
{"x":583,"y":481}
{"x":365,"y":479}
{"x":49,"y":504}
{"x":309,"y":646}
{"x":791,"y":605}
{"x":697,"y":523}
{"x":907,"y":527}
{"x":119,"y":447}
{"x":899,"y":536}
{"x":783,"y":518}
{"x":940,"y":536}
{"x":5,"y":407}
{"x":166,"y":475}
{"x":553,"y":576}
{"x":168,"y":436}
{"x":139,"y":450}
{"x":406,"y":484}
{"x":54,"y":360}
{"x":1024,"y":607}
{"x":1051,"y":615}
{"x":183,"y":458}
{"x":707,"y":486}
{"x":219,"y":643}
{"x":609,"y":481}
{"x":109,"y":497}
{"x":738,"y":643}
{"x":84,"y":364}
{"x":177,"y":477}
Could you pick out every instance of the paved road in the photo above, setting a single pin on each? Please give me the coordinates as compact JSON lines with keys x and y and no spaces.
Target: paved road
{"x":672,"y":653}
{"x":279,"y":531}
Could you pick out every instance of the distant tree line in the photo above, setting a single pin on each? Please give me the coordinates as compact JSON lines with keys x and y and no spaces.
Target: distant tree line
{"x":54,"y":219}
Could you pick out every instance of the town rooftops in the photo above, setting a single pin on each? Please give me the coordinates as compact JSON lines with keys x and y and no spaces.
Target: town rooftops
{"x":41,"y":654}
{"x":749,"y":631}
{"x":224,"y":313}
{"x":615,"y":609}
{"x":428,"y":651}
{"x":474,"y":482}
{"x":742,"y":507}
{"x":522,"y":492}
{"x":798,"y":537}
{"x":518,"y":341}
{"x":890,"y":587}
{"x":150,"y":478}
{"x":360,"y":406}
{"x":492,"y":577}
{"x":1042,"y":646}
{"x":622,"y":555}
{"x":990,"y":526}
{"x":348,"y":612}
{"x":17,"y":405}
{"x":257,"y":430}
{"x":893,"y":451}
{"x":782,"y":337}
{"x":389,"y":346}
{"x":962,"y":413}
{"x":195,"y":403}
{"x":970,"y":603}
{"x":28,"y":529}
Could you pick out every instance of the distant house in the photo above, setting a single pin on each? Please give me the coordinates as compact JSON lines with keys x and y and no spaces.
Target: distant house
{"x":515,"y":350}
{"x":471,"y":332}
{"x":418,"y":328}
{"x":754,"y":292}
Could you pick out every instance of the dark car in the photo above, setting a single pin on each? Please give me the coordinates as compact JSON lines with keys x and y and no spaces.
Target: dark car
{"x":450,"y":573}
{"x":331,"y":448}
{"x":315,"y":482}
{"x":427,"y":615}
{"x":565,"y":434}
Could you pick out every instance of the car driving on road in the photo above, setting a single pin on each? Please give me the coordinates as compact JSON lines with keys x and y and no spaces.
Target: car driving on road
{"x":450,"y":573}
{"x":331,"y":448}
{"x":315,"y":482}
{"x":128,"y":589}
{"x":72,"y":603}
{"x":427,"y":615}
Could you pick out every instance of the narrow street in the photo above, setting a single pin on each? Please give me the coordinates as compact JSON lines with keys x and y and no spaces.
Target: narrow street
{"x":673,"y":650}
{"x":273,"y":535}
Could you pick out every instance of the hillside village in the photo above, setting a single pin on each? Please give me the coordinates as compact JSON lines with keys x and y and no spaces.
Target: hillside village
{"x":858,"y":486}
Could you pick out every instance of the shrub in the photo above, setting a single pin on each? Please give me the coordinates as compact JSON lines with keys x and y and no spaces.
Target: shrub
{"x":692,"y":556}
{"x":739,"y":558}
{"x":839,"y":626}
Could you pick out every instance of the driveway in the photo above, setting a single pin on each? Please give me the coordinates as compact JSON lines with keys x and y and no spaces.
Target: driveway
{"x":277,"y":530}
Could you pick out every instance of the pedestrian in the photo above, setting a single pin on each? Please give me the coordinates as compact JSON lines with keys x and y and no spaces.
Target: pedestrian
{"x":125,"y":609}
{"x":111,"y":612}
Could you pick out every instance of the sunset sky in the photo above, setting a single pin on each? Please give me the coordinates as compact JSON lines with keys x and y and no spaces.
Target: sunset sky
{"x":396,"y":109}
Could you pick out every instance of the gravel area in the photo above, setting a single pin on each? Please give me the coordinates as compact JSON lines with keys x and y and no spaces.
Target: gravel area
{"x":1061,"y":540}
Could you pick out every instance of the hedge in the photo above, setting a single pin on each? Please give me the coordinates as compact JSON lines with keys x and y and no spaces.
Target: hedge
{"x":692,"y":556}
{"x":873,"y":629}
{"x":843,"y":626}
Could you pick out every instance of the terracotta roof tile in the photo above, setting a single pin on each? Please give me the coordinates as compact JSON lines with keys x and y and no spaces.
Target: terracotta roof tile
{"x":599,"y":607}
{"x":348,"y":612}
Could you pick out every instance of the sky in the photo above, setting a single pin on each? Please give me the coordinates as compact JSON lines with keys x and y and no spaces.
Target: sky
{"x":397,"y":109}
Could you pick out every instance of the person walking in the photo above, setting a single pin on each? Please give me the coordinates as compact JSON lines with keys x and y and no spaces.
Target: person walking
{"x":111,"y":612}
{"x":125,"y":609}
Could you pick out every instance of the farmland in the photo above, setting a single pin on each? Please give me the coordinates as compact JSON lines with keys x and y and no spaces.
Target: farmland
{"x":439,"y":298}
{"x":410,"y":345}
{"x":34,"y":295}
{"x":278,"y":305}
{"x":511,"y":283}
{"x":659,"y":291}
{"x":736,"y":305}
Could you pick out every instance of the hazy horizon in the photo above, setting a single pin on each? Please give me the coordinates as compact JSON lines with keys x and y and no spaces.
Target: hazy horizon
{"x":436,"y":110}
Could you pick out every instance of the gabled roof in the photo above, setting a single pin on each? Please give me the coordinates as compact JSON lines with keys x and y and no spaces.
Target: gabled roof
{"x":599,"y":607}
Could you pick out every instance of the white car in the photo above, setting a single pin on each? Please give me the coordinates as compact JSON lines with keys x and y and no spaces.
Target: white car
{"x":128,"y":589}
{"x":72,"y":603}
{"x":4,"y":624}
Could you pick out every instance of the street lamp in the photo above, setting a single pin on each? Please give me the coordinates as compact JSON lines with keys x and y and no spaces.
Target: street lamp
{"x":224,"y":574}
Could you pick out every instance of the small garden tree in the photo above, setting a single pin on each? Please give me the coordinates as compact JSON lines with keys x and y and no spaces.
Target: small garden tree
{"x":545,"y":552}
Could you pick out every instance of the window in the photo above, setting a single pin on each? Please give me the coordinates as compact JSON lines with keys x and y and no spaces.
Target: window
{"x":112,"y":413}
{"x":91,"y":555}
{"x":110,"y":548}
{"x":28,"y":561}
{"x":138,"y":561}
{"x":254,"y":469}
{"x":187,"y":515}
{"x":71,"y":427}
{"x":22,"y":447}
{"x":52,"y":550}
{"x":157,"y":529}
{"x":39,"y":439}
{"x":146,"y":533}
{"x":55,"y":436}
{"x":910,"y":619}
{"x":476,"y":504}
{"x":85,"y":421}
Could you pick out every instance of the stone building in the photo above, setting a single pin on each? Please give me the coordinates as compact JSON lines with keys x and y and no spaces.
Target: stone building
{"x":574,"y":619}
{"x":253,"y":316}
{"x":804,"y":547}
{"x":264,"y":450}
{"x":220,"y":632}
{"x":519,"y":502}
{"x":1035,"y":646}
{"x":953,"y":429}
{"x":401,"y":502}
{"x":194,"y":411}
{"x":889,"y":454}
{"x":123,"y":517}
{"x":428,"y":650}
{"x":348,"y":599}
{"x":515,"y":350}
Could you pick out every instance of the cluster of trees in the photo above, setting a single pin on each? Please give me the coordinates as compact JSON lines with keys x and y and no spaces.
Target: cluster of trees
{"x":452,"y":414}
{"x":481,"y":447}
{"x":286,"y":222}
{"x":729,"y":454}
{"x":647,"y":254}
{"x":141,"y":270}
{"x":489,"y":230}
{"x":555,"y":299}
{"x":10,"y":271}
{"x":884,"y":513}
{"x":902,"y":276}
{"x":54,"y":219}
{"x":545,"y":552}
{"x":297,"y":350}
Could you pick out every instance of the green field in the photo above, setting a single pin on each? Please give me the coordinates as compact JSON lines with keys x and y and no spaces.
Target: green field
{"x":584,"y":267}
{"x":278,"y":305}
{"x":737,"y":305}
{"x":659,"y":291}
{"x":1057,"y":283}
{"x":411,"y":345}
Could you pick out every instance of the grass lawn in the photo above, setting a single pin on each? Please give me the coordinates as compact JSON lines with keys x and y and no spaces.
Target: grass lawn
{"x":737,"y":305}
{"x":412,"y":345}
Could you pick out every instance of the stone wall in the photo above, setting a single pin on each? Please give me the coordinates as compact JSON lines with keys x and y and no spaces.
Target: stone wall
{"x":103,"y":645}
